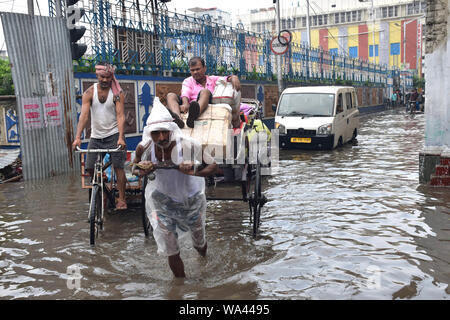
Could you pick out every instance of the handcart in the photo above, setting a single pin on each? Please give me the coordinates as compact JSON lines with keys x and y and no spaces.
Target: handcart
{"x":245,"y":174}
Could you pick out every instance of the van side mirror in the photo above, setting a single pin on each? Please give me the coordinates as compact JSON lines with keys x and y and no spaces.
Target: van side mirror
{"x":274,"y":108}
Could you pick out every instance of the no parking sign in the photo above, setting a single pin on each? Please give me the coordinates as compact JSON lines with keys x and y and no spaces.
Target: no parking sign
{"x":277,"y":47}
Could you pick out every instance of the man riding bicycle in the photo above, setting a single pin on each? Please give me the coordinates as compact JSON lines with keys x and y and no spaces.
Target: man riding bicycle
{"x":104,"y":101}
{"x":413,"y":100}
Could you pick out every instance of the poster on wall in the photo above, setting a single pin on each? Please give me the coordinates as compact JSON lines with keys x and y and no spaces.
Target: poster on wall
{"x":52,"y":111}
{"x":32,"y":113}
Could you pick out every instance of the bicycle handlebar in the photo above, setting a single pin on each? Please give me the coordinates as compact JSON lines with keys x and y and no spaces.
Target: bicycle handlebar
{"x":118,"y":149}
{"x":170,"y":165}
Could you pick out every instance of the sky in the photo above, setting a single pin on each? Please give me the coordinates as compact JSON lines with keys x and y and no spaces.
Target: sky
{"x":233,"y":6}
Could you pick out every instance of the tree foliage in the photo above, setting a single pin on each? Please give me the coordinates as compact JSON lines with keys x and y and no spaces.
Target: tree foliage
{"x":6,"y":82}
{"x":418,"y":82}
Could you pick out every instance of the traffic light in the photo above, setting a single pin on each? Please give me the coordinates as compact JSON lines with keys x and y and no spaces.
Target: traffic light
{"x":73,"y":15}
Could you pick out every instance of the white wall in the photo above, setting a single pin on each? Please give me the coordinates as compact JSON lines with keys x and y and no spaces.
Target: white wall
{"x":437,"y":101}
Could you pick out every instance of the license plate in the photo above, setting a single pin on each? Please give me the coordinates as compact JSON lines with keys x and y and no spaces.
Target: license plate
{"x":301,"y":140}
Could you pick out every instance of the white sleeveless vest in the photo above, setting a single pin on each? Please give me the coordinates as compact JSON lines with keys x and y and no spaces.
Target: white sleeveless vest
{"x":103,"y":116}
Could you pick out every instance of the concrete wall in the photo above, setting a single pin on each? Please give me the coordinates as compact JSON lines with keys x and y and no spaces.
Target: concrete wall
{"x":437,"y":76}
{"x":437,"y":92}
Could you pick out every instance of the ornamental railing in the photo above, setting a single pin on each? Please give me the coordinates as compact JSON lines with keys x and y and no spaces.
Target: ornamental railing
{"x":139,"y":39}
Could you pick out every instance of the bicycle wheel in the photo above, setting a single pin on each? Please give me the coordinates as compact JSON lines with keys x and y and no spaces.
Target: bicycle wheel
{"x":145,"y":220}
{"x":257,"y":199}
{"x":95,"y":213}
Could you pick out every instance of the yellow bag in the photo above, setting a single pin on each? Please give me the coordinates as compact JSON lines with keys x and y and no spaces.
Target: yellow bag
{"x":258,"y":126}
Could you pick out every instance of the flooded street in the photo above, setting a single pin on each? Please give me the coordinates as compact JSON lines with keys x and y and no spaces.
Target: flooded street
{"x":352,"y":223}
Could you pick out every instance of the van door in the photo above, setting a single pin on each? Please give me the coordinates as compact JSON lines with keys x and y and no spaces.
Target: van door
{"x":339,"y":119}
{"x":354,"y":117}
{"x":348,"y":115}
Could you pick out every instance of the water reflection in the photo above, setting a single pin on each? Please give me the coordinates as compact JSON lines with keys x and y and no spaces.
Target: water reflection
{"x":351,"y":223}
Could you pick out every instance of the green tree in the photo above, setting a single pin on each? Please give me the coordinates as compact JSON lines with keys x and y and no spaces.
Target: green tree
{"x":6,"y":82}
{"x":418,"y":82}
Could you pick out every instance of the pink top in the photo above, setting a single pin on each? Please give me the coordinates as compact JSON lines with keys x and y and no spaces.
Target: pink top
{"x":191,"y":88}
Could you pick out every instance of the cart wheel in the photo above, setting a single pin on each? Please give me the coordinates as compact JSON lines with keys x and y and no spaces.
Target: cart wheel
{"x":145,"y":221}
{"x":95,"y":213}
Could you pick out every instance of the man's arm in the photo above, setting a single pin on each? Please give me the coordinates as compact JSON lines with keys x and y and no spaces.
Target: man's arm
{"x":120,"y":115}
{"x":188,"y":168}
{"x":86,"y":102}
{"x":185,"y":92}
{"x":235,"y":120}
{"x":210,"y":164}
{"x":234,"y":82}
{"x":185,"y":105}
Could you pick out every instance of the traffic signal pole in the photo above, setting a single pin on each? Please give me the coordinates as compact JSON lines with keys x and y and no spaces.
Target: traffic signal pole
{"x":30,"y":7}
{"x":279,"y":73}
{"x":58,"y":9}
{"x":73,"y":15}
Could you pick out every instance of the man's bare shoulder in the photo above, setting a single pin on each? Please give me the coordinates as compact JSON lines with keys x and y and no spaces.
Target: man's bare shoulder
{"x":89,"y":93}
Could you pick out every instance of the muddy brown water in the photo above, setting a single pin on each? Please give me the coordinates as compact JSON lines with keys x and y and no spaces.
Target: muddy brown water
{"x":351,"y":223}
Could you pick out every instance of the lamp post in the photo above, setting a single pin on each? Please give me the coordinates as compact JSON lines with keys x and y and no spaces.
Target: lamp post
{"x":308,"y":30}
{"x":373,"y":28}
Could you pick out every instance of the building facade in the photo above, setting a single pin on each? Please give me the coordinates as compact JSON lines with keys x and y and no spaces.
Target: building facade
{"x":216,"y":15}
{"x":391,"y":36}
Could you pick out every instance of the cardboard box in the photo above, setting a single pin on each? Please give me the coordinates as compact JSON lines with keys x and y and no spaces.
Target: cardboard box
{"x":212,"y":129}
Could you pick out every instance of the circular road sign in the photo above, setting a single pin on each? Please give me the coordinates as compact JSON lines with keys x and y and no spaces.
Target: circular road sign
{"x":283,"y":35}
{"x":277,"y":47}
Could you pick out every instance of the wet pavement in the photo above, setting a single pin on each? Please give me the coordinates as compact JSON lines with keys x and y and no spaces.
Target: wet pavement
{"x":352,"y":223}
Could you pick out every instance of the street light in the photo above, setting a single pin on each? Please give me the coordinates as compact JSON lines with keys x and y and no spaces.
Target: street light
{"x":404,"y":38}
{"x":373,"y":29}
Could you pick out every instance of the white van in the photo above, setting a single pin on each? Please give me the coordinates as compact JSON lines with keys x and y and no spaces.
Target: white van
{"x":317,"y":117}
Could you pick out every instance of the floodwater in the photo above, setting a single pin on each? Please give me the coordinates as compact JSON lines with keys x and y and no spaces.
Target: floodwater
{"x":352,"y":223}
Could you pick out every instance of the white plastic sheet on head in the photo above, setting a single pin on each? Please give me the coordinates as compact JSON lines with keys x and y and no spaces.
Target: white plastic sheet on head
{"x":158,"y":120}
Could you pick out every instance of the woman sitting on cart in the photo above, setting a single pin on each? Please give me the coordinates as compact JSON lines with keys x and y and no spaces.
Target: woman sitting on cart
{"x":175,"y":200}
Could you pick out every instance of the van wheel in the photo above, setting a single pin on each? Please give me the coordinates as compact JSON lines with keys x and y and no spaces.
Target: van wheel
{"x":340,"y":144}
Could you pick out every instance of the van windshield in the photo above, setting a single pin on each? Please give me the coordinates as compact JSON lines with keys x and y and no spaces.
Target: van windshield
{"x":306,"y":104}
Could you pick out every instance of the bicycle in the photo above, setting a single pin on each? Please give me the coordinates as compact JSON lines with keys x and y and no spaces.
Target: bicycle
{"x":99,"y":191}
{"x":411,"y":107}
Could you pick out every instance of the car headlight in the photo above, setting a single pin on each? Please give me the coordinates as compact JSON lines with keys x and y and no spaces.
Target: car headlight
{"x":280,"y":127}
{"x":325,"y":129}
